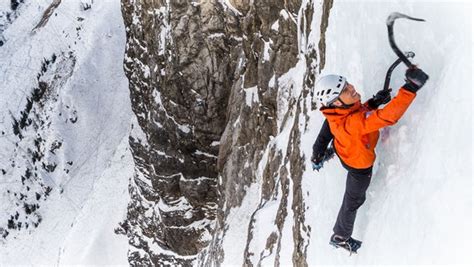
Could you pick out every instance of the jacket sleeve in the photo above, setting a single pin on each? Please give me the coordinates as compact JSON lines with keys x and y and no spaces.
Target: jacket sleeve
{"x":324,"y":137}
{"x":386,"y":116}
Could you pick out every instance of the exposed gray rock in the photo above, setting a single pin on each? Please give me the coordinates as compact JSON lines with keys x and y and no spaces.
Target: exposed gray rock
{"x":204,"y":85}
{"x":180,"y":61}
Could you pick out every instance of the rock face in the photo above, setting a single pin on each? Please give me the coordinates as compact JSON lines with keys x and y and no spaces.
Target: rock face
{"x":219,"y":116}
{"x":180,"y":62}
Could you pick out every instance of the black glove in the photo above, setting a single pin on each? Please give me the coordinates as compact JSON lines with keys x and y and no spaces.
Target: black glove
{"x":415,"y":79}
{"x":382,"y":97}
{"x":318,"y":160}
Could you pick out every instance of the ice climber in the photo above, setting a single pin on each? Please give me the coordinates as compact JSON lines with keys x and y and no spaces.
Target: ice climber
{"x":355,"y":129}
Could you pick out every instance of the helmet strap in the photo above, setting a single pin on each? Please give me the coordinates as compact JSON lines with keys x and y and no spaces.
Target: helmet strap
{"x":344,"y":105}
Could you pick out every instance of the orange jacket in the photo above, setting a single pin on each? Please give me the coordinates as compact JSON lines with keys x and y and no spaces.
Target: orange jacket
{"x":356,"y":129}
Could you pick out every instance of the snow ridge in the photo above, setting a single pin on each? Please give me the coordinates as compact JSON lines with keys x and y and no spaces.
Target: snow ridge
{"x":65,"y":116}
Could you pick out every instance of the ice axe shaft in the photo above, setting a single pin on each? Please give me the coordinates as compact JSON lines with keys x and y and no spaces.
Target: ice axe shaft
{"x":388,"y":76}
{"x":390,"y":21}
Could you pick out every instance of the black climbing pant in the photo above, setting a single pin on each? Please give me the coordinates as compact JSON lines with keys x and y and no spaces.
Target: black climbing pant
{"x":357,"y":182}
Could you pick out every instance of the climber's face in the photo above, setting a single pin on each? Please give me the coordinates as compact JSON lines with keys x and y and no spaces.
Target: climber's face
{"x":348,"y":95}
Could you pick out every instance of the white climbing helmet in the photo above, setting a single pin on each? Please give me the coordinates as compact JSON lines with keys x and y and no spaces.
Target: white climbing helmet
{"x":328,"y":88}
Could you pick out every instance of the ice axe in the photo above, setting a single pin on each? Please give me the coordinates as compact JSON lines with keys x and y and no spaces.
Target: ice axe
{"x":393,"y":66}
{"x":390,"y":21}
{"x":388,"y":76}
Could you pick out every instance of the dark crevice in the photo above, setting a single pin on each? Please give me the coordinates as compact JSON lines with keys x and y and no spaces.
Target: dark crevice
{"x":47,"y":14}
{"x":327,"y":5}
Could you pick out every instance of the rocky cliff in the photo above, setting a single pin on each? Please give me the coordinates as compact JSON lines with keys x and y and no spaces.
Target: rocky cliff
{"x":193,"y":144}
{"x":190,"y":149}
{"x":220,"y":90}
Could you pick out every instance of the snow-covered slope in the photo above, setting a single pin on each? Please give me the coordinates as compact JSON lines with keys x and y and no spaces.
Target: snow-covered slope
{"x":65,"y":116}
